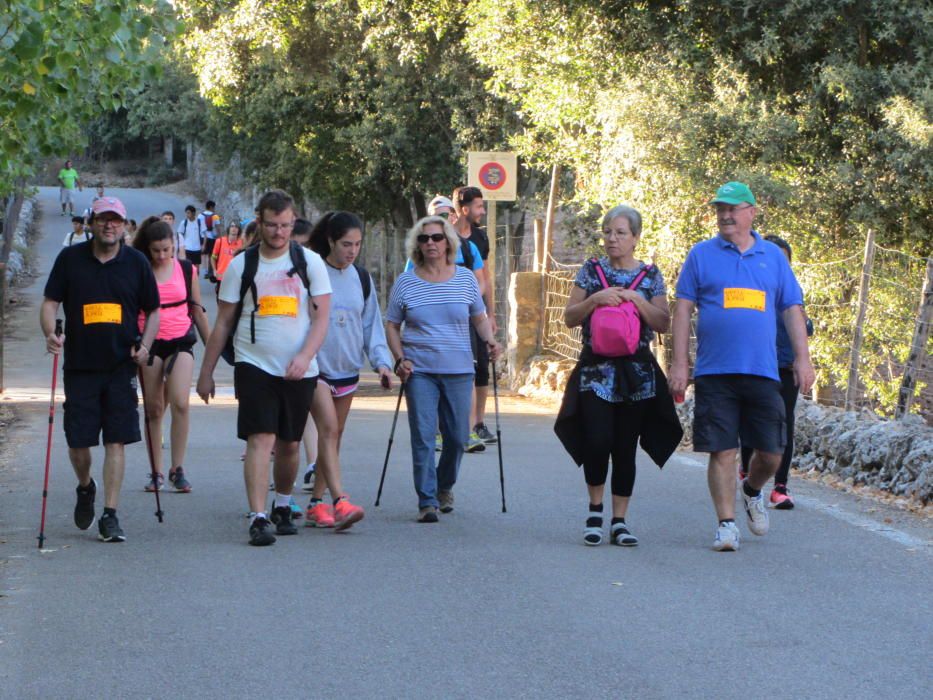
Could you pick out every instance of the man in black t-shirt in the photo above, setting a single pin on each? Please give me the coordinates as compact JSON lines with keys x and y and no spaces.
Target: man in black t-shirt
{"x":470,"y":211}
{"x":104,"y":285}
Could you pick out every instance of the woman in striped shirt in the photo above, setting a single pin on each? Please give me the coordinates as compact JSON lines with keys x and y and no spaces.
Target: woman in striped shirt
{"x":437,"y":301}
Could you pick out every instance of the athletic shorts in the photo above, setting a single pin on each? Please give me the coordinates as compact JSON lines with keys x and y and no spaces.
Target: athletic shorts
{"x":270,"y":404}
{"x":193,"y":256}
{"x":98,"y":402}
{"x":341,"y":387}
{"x":480,"y":358}
{"x":209,"y":246}
{"x":66,"y":196}
{"x":734,"y":407}
{"x":167,"y":350}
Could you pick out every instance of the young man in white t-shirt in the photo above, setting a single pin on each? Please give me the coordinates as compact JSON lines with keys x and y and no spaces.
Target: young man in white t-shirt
{"x":275,"y":344}
{"x":77,"y":233}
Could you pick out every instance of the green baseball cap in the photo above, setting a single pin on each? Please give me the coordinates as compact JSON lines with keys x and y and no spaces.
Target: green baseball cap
{"x":734,"y":193}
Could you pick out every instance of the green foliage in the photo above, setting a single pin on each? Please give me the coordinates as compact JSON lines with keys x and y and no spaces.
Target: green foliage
{"x":62,"y":63}
{"x":367,"y":107}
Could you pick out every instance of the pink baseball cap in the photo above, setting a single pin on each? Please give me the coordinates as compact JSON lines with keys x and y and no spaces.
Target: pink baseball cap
{"x":111,"y":204}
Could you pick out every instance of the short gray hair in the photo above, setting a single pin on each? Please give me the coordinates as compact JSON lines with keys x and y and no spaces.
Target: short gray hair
{"x":632,"y":215}
{"x":411,"y":240}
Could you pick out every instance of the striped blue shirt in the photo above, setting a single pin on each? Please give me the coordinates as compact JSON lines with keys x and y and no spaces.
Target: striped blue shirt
{"x":436,"y":337}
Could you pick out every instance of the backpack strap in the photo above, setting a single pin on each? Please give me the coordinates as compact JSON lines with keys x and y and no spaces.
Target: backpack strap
{"x":466,"y":251}
{"x":300,"y":267}
{"x":365,"y":281}
{"x":600,"y":273}
{"x":247,"y":284}
{"x":641,"y":275}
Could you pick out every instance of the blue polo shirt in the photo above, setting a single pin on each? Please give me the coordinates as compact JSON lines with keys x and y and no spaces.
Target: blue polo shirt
{"x":738,"y":298}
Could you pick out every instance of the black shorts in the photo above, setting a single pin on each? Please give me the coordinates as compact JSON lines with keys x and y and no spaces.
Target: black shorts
{"x":167,"y":350}
{"x":98,"y":402}
{"x":269,"y":404}
{"x":733,"y":407}
{"x":193,"y":256}
{"x":209,"y":246}
{"x":480,"y":358}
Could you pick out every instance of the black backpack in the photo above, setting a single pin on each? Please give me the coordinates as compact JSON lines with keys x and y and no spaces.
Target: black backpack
{"x":248,"y":283}
{"x":365,"y":281}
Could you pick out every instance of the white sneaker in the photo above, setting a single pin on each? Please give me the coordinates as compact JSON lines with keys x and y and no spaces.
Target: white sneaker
{"x":757,"y":514}
{"x":727,"y":538}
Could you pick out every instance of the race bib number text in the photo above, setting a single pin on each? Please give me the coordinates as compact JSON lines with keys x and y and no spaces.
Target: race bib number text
{"x":102,"y":313}
{"x":278,"y":306}
{"x":738,"y":298}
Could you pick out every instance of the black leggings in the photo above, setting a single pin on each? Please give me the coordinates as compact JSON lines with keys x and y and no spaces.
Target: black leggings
{"x":611,"y":429}
{"x":789,"y":394}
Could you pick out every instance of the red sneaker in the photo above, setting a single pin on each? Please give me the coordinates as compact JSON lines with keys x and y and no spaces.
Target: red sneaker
{"x":345,"y":513}
{"x":321,"y":515}
{"x":780,"y":498}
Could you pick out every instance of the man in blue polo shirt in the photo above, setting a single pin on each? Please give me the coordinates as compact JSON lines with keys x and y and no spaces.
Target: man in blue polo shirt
{"x":104,"y":286}
{"x":738,"y":283}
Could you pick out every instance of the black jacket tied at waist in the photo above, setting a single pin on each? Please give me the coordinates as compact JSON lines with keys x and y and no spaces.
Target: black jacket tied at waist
{"x":661,"y":431}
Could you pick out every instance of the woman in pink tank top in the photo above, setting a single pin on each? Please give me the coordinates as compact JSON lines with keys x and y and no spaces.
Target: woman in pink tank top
{"x":167,"y":376}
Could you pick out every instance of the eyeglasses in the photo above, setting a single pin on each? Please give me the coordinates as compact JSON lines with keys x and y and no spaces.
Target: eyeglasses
{"x":278,"y":227}
{"x":436,"y":237}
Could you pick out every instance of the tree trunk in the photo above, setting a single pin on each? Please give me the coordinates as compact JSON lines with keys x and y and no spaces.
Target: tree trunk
{"x":11,"y":220}
{"x":168,"y":150}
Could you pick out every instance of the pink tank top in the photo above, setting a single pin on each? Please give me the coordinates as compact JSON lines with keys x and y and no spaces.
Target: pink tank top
{"x":174,"y":321}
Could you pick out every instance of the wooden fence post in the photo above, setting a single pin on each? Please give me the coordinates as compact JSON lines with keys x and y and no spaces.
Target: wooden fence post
{"x":537,"y":264}
{"x":549,"y":220}
{"x":852,"y":384}
{"x":918,"y":345}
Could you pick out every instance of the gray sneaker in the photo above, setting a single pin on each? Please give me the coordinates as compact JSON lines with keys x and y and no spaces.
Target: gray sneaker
{"x":446,"y":501}
{"x":756,"y":512}
{"x":727,"y":538}
{"x":482,"y":432}
{"x":474,"y":444}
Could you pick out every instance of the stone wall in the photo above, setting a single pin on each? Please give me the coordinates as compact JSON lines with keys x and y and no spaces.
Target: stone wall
{"x":18,"y":266}
{"x":228,"y":187}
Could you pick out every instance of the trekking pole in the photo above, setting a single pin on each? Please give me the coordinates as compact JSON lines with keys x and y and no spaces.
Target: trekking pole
{"x":495,"y":393}
{"x":48,"y":447}
{"x":385,"y":465}
{"x":152,"y":472}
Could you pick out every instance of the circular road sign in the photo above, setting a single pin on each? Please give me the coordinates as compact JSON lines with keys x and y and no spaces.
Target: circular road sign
{"x":492,"y":176}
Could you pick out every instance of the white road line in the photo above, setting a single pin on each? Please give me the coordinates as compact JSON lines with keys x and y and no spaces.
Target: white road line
{"x":860,"y":521}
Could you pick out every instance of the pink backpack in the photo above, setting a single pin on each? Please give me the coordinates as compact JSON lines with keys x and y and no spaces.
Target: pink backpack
{"x":616,"y":330}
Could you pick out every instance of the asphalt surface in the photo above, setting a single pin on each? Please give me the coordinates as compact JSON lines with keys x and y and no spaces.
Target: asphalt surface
{"x":833,"y":603}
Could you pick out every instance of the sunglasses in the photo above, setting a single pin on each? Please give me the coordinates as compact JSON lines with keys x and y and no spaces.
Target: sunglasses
{"x":436,"y":237}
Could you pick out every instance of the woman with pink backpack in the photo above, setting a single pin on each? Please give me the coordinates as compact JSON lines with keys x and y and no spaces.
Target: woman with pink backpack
{"x":617,"y":394}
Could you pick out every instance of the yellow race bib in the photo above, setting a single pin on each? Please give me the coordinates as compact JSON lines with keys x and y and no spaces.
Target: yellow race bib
{"x":102,"y":313}
{"x":738,"y":298}
{"x":278,"y":306}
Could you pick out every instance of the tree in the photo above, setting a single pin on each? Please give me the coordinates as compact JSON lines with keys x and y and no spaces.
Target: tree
{"x":61,"y":63}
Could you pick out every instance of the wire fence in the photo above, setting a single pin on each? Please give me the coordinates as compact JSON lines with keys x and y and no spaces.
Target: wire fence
{"x":869,"y":375}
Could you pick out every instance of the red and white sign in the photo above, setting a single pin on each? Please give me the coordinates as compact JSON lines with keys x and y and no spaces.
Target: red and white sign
{"x":496,"y":174}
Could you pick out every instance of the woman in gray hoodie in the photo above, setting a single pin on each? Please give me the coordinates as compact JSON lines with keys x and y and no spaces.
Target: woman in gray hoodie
{"x":355,"y":333}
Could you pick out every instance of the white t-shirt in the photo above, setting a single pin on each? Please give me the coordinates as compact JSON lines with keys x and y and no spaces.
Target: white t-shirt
{"x":191,"y":232}
{"x":72,"y":238}
{"x":282,"y":320}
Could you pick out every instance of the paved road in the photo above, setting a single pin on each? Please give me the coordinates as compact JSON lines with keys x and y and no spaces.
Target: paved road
{"x":834,"y":603}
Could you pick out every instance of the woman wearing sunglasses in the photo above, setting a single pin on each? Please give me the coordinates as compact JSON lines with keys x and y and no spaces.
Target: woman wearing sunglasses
{"x":437,"y":301}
